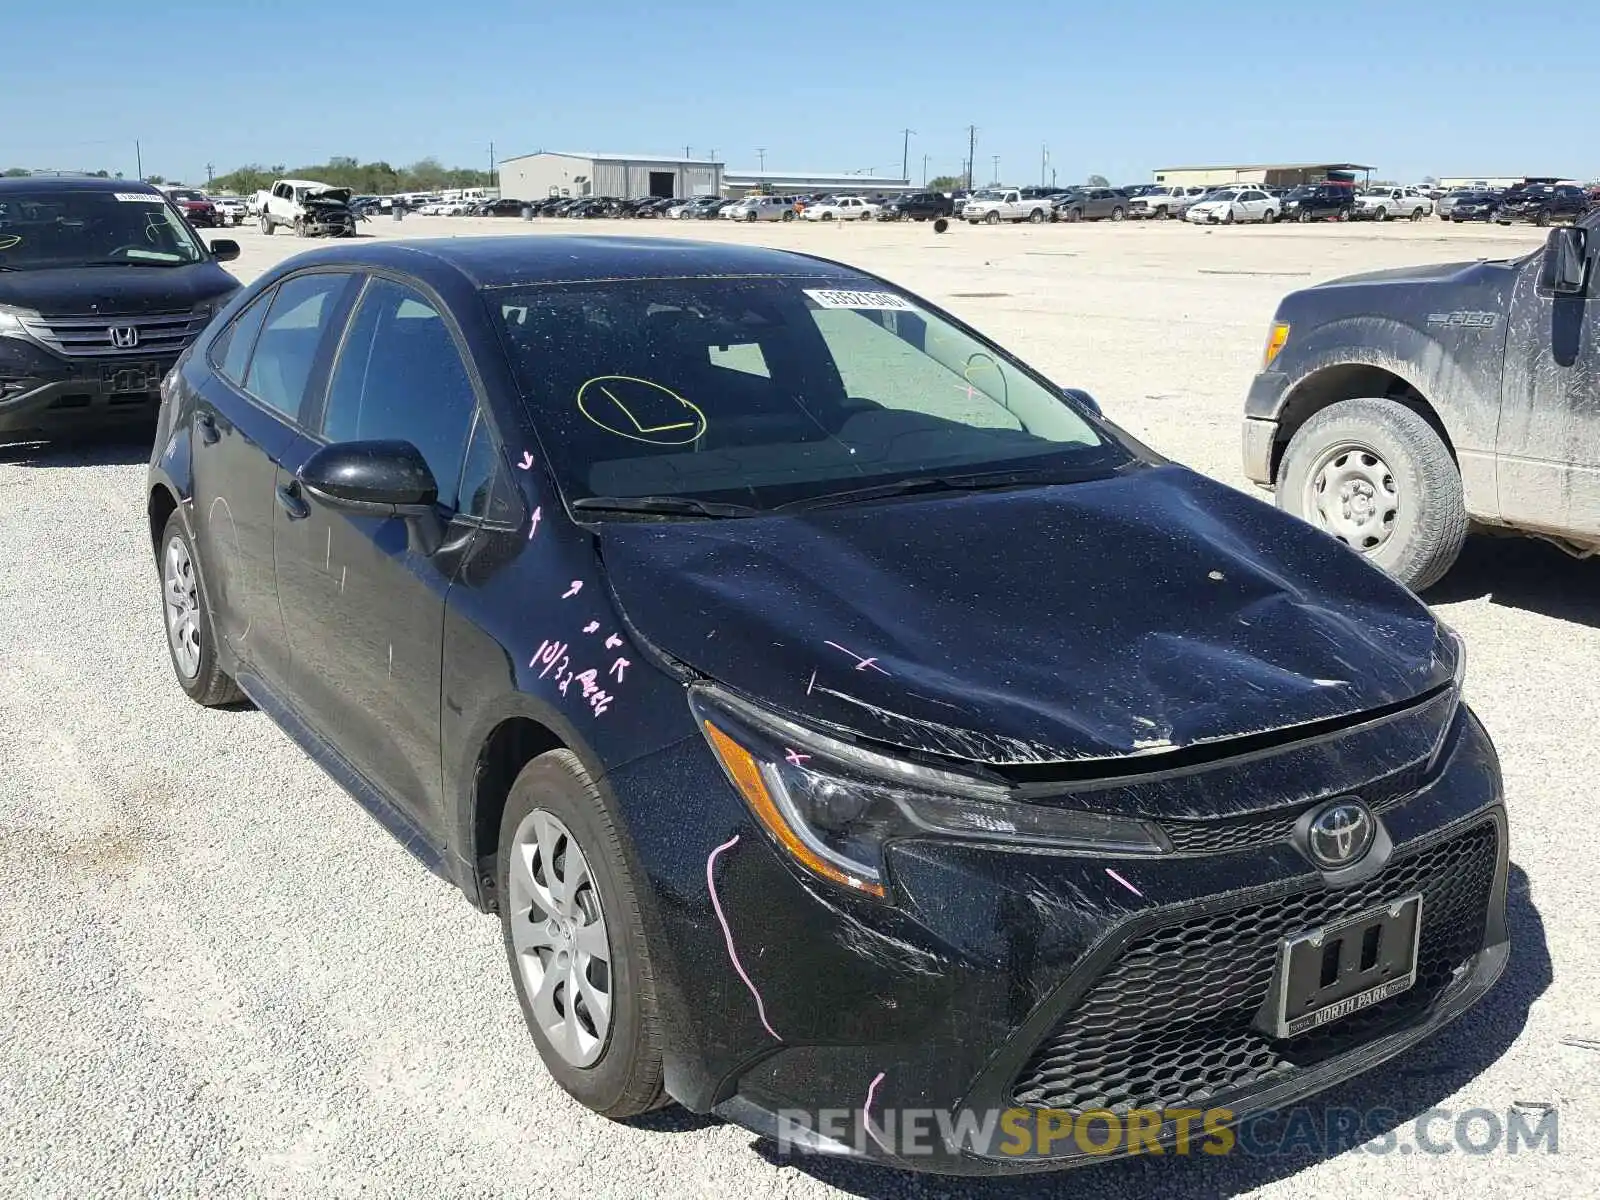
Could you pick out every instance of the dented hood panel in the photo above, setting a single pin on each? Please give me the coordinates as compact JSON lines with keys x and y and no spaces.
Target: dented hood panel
{"x":1129,"y":616}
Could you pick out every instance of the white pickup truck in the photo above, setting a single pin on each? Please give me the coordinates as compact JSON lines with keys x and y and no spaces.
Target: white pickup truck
{"x":1164,"y":200}
{"x":1392,"y":203}
{"x":993,"y":205}
{"x":310,"y":208}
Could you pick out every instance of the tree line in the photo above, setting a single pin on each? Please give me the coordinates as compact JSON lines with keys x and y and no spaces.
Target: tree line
{"x":368,"y":179}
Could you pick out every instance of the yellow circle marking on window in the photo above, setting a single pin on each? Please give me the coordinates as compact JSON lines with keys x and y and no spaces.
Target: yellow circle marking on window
{"x":641,"y":410}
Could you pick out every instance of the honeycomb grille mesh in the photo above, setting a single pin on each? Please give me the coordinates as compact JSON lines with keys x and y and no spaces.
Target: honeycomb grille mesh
{"x":1169,"y":1023}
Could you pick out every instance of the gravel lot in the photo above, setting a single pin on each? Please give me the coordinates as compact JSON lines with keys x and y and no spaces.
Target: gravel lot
{"x":221,"y":978}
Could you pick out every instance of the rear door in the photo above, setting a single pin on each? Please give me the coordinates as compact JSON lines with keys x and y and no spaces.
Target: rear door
{"x":245,"y":423}
{"x":363,"y":600}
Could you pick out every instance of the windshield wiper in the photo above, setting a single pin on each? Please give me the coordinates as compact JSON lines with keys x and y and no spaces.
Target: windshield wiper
{"x":1037,"y":477}
{"x":672,"y":505}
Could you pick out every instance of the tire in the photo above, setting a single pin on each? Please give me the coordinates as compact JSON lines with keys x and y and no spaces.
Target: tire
{"x":1074,"y":215}
{"x":1303,"y":216}
{"x":1227,"y":217}
{"x":1117,"y":214}
{"x":1270,"y":217}
{"x":1036,"y":217}
{"x":827,"y":216}
{"x":267,"y":227}
{"x":1416,"y":542}
{"x":1542,"y":220}
{"x":1417,"y":214}
{"x":624,"y":1075}
{"x":1161,"y":214}
{"x":299,"y":227}
{"x":992,"y":218}
{"x":788,"y":214}
{"x":184,"y":595}
{"x":1382,"y":214}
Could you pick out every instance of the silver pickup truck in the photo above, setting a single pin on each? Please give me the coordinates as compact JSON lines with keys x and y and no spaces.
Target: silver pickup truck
{"x":993,"y":205}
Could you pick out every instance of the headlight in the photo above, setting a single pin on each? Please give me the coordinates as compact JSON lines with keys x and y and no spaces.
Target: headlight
{"x":11,"y":319}
{"x":833,"y":806}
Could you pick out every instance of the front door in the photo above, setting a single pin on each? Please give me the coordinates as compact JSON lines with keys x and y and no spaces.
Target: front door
{"x":1549,"y":436}
{"x":362,"y":597}
{"x":244,"y":425}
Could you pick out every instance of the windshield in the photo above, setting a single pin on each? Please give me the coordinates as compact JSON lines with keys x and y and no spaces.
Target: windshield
{"x":186,"y":196}
{"x":1228,"y":194}
{"x":67,"y":228}
{"x":769,"y":391}
{"x":989,"y":194}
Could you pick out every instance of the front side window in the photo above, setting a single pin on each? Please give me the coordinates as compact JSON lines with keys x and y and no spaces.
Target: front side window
{"x":773,"y":390}
{"x":400,"y":376}
{"x":92,"y":227}
{"x":286,"y":349}
{"x":230,"y":353}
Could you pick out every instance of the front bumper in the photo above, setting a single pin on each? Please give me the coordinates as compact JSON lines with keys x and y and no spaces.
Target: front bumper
{"x":1004,"y":980}
{"x":41,"y":392}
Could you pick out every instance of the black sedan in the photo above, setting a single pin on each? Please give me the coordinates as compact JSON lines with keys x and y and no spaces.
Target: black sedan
{"x":1474,"y":206}
{"x":842,"y":720}
{"x":499,"y":208}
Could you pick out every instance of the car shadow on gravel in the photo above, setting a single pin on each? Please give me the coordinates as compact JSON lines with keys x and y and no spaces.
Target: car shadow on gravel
{"x":122,"y":448}
{"x":1399,"y":1092}
{"x":1523,"y":573}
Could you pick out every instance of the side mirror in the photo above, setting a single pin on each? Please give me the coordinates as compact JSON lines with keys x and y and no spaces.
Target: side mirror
{"x":1562,"y":271}
{"x":224,"y":250}
{"x":381,"y":479}
{"x":1083,"y":398}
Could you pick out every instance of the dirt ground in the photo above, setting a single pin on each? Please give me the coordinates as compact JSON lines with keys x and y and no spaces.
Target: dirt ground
{"x":221,"y":978}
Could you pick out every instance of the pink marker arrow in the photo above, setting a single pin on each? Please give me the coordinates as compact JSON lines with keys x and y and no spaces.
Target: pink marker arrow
{"x":533,"y":525}
{"x":613,"y":642}
{"x":618,"y":667}
{"x":527,"y":461}
{"x":577,"y":586}
{"x":591,"y":626}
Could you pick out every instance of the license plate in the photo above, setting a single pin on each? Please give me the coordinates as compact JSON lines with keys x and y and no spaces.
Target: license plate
{"x":1326,"y":974}
{"x":132,"y":377}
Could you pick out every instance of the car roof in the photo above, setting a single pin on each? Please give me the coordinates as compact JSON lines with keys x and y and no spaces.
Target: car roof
{"x":496,"y":262}
{"x":81,"y":183}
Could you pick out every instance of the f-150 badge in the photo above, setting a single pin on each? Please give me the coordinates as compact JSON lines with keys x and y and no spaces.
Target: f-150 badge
{"x":1464,"y":320}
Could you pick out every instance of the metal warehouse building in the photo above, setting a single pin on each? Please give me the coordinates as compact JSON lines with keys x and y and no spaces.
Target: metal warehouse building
{"x":625,"y":176}
{"x":1268,"y":174}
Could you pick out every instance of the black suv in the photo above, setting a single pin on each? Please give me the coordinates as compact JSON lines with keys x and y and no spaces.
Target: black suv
{"x":918,"y":206}
{"x":1319,"y":202}
{"x":102,"y":285}
{"x":837,"y":714}
{"x":1542,"y":204}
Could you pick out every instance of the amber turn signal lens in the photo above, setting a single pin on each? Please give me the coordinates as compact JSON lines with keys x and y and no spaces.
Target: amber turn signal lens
{"x":745,"y":772}
{"x":1275,"y":343}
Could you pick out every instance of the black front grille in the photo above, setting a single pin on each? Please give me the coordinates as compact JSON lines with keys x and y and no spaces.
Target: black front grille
{"x":1260,"y":829}
{"x":1169,"y":1023}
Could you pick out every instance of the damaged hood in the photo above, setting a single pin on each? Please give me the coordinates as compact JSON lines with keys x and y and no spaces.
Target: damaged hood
{"x":1129,"y":616}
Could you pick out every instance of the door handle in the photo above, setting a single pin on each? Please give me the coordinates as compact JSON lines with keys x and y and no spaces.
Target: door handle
{"x":208,"y":428}
{"x":289,"y":500}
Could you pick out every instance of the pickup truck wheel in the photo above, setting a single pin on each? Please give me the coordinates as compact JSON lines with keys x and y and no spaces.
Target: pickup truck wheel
{"x":266,"y":224}
{"x":574,"y":936}
{"x":992,"y":219}
{"x":1417,"y":214}
{"x":1161,"y":214}
{"x":191,"y":633}
{"x":1036,"y":217}
{"x":1375,"y":475}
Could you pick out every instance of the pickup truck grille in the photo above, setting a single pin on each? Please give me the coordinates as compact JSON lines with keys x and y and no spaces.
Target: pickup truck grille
{"x":146,"y":336}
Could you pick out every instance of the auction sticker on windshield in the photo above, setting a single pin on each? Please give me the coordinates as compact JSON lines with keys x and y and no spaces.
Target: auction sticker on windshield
{"x":137,"y":198}
{"x":872,"y":300}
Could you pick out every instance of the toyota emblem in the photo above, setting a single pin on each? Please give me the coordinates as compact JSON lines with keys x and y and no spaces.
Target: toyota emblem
{"x":1341,"y":833}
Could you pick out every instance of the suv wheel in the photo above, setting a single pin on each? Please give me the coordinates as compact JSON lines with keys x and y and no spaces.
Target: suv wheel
{"x":191,"y":633}
{"x":1374,"y":474}
{"x":574,"y":935}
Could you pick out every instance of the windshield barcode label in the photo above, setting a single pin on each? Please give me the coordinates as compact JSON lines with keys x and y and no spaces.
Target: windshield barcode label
{"x":873,"y":300}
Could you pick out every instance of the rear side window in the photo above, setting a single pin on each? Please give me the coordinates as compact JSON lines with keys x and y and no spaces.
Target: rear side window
{"x":230,"y":353}
{"x":401,"y":376}
{"x":286,"y":350}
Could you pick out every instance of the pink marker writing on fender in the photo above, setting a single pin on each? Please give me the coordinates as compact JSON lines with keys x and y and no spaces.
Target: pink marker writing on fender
{"x":527,"y":461}
{"x":727,"y":934}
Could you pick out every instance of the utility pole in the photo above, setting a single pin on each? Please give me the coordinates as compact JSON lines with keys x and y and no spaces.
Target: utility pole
{"x":138,"y":159}
{"x":686,"y":150}
{"x":210,"y":175}
{"x":1044,"y":162}
{"x":905,"y":154}
{"x":761,"y":153}
{"x":491,"y":164}
{"x":924,"y":170}
{"x":972,"y":147}
{"x":996,"y":158}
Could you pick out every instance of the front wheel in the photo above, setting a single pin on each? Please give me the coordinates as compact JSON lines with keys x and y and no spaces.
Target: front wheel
{"x":1303,"y":216}
{"x":266,"y":224}
{"x":1074,"y":215}
{"x":1227,"y":217}
{"x":992,"y":219}
{"x":1117,"y":214}
{"x":1376,"y":476}
{"x":191,"y":630}
{"x":1270,"y":217}
{"x":1381,"y":215}
{"x":1036,"y":217}
{"x":574,"y":936}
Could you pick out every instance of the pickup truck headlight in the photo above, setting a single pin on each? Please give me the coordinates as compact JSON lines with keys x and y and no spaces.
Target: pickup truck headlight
{"x":11,"y":320}
{"x":833,"y":806}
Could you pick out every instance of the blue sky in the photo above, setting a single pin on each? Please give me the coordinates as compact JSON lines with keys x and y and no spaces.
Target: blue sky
{"x":1118,"y":89}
